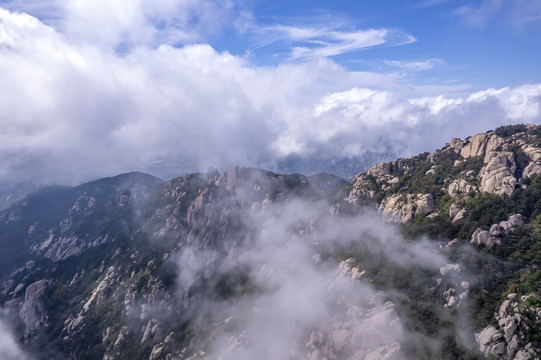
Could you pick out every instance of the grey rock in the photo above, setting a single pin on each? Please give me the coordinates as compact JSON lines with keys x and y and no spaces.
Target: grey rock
{"x":458,"y":187}
{"x":498,"y":175}
{"x":481,"y":236}
{"x":496,"y":231}
{"x":157,"y":351}
{"x":509,"y":342}
{"x":401,"y":209}
{"x":454,"y":210}
{"x":498,"y":349}
{"x":532,"y":168}
{"x":33,"y":312}
{"x":458,"y":220}
{"x":387,"y":352}
{"x":475,"y":146}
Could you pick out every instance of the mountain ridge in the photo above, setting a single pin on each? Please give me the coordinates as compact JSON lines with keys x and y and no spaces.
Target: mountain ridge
{"x":136,"y":267}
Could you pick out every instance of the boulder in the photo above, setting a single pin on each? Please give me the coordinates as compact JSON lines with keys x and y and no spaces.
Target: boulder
{"x":425,"y":205}
{"x":33,"y":310}
{"x":458,"y":220}
{"x":481,"y":236}
{"x":454,"y":210}
{"x":400,"y":209}
{"x":498,"y":175}
{"x":459,"y":186}
{"x":496,"y":231}
{"x":511,"y":223}
{"x":156,"y":352}
{"x":485,"y":336}
{"x":509,"y":341}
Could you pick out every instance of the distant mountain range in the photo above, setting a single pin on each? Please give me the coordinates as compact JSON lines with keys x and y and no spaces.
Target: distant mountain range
{"x":436,"y":256}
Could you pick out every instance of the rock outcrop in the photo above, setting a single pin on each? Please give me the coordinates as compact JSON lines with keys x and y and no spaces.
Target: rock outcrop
{"x":494,"y":236}
{"x":456,"y":215}
{"x":492,"y":162}
{"x":399,"y":209}
{"x":373,"y":335}
{"x":498,"y":175}
{"x":33,"y":311}
{"x":508,"y":340}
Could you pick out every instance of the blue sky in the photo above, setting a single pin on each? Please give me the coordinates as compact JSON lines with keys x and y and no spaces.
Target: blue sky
{"x":98,"y":87}
{"x":481,"y":43}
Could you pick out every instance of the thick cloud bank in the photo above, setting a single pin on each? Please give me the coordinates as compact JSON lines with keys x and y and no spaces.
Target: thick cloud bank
{"x":75,"y":105}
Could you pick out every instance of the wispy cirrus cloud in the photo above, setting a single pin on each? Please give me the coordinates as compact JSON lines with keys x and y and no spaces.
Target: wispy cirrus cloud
{"x":320,"y":40}
{"x":415,"y":66}
{"x":516,"y":13}
{"x":429,"y":3}
{"x":525,"y":11}
{"x":479,"y":15}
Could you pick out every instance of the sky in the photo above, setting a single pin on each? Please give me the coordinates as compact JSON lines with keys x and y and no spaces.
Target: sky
{"x":93,"y":88}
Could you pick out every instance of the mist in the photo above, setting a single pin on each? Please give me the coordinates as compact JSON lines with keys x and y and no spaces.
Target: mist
{"x":298,"y":282}
{"x":9,"y":348}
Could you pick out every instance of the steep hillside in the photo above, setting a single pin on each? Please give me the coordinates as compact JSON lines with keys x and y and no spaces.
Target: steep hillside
{"x":253,"y":264}
{"x":484,"y":191}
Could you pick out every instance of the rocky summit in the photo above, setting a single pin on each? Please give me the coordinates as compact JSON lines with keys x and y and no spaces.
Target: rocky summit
{"x":435,"y":256}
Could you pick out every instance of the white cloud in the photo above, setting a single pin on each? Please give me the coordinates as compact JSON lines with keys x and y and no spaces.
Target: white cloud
{"x":81,"y":109}
{"x":366,"y":119}
{"x":126,"y":23}
{"x":325,"y":40}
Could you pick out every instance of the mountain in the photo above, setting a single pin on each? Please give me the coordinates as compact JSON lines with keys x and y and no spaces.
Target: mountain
{"x":10,"y":193}
{"x":483,"y":192}
{"x":434,"y":256}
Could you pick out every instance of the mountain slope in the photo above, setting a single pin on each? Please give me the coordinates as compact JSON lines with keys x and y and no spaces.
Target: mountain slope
{"x":484,"y":191}
{"x":253,"y":264}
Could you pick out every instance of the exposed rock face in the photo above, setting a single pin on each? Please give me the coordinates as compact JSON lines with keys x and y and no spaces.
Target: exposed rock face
{"x":474,"y":147}
{"x":483,"y":237}
{"x":498,"y":176}
{"x":398,"y":209}
{"x":508,"y":341}
{"x":454,"y":209}
{"x":33,"y":312}
{"x":369,"y":330}
{"x":456,"y":215}
{"x":362,"y":188}
{"x":494,"y":236}
{"x":381,"y":176}
{"x":479,"y":145}
{"x":459,"y":187}
{"x":374,"y":335}
{"x":507,"y":159}
{"x":456,"y":290}
{"x":458,"y":220}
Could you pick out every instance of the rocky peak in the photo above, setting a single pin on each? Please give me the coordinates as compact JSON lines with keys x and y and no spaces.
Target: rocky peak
{"x":495,"y":162}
